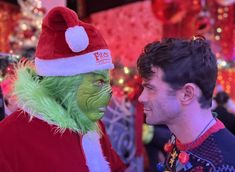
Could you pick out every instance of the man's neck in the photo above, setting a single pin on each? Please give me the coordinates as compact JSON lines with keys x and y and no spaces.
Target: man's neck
{"x":192,"y":125}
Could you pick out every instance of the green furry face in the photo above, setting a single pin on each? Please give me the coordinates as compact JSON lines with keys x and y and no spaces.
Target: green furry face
{"x":74,"y":102}
{"x":93,"y":94}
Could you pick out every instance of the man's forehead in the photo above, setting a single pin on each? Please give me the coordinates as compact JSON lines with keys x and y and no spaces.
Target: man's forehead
{"x":157,"y":74}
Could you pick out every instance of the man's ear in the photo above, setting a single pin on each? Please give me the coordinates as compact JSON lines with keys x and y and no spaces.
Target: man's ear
{"x":188,"y":93}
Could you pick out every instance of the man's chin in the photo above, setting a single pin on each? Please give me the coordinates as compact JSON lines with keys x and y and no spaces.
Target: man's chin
{"x":153,"y":122}
{"x":148,"y":119}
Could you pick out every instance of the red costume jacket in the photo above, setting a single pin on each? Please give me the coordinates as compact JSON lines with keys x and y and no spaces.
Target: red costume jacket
{"x":35,"y":146}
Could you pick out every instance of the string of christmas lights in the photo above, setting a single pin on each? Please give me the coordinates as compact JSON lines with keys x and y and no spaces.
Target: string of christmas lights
{"x":26,"y":33}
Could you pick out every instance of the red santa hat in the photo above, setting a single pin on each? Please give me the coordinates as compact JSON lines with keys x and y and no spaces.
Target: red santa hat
{"x":68,"y":46}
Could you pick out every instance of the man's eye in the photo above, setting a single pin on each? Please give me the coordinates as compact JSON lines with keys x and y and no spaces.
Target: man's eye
{"x":148,"y":87}
{"x":100,"y":82}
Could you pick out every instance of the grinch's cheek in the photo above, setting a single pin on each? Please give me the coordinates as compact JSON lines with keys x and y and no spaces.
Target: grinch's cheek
{"x":95,"y":116}
{"x":106,"y":99}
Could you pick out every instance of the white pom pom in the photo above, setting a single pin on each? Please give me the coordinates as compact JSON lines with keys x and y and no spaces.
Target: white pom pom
{"x":77,"y":38}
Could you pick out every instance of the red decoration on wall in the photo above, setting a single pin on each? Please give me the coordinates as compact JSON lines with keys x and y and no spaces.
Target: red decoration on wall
{"x":202,"y":24}
{"x":184,"y":28}
{"x":225,"y":21}
{"x":225,"y":2}
{"x":7,"y":23}
{"x":169,"y":11}
{"x":226,"y":78}
{"x":127,"y":29}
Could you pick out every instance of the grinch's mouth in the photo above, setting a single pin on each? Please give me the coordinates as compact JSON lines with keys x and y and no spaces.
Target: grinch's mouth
{"x":102,"y":109}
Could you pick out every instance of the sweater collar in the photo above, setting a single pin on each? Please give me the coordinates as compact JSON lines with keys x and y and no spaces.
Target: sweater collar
{"x":213,"y":129}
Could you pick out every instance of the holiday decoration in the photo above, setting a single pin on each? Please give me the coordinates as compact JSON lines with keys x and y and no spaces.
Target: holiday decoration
{"x":224,"y":32}
{"x":213,"y":21}
{"x":127,"y":29}
{"x":26,"y":32}
{"x":183,"y":157}
{"x":118,"y":118}
{"x":122,"y":120}
{"x":203,"y":21}
{"x":202,"y":24}
{"x":226,"y":80}
{"x":225,"y":2}
{"x":7,"y":23}
{"x":168,"y":147}
{"x":171,"y":11}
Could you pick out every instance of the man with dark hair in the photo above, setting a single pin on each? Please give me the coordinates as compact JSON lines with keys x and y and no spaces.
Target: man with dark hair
{"x":179,"y":77}
{"x":224,"y":116}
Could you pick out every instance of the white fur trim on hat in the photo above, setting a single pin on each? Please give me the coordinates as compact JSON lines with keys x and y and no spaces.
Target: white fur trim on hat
{"x":69,"y":66}
{"x":95,"y":159}
{"x":76,"y":38}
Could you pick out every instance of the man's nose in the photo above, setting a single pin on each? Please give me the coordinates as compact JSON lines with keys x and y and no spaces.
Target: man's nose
{"x":141,"y":98}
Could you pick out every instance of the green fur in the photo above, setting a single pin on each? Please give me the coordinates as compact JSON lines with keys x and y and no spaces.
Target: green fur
{"x":54,"y":99}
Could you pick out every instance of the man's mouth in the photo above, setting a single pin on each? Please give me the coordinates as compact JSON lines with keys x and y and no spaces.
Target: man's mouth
{"x":147,"y":109}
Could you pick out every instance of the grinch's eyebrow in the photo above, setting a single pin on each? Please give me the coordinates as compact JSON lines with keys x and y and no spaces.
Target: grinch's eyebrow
{"x":103,"y":76}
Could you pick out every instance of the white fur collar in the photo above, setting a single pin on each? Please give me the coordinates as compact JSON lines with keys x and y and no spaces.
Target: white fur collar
{"x":95,"y":159}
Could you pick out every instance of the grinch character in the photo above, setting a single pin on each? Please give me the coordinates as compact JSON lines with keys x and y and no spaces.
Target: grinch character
{"x":62,"y":96}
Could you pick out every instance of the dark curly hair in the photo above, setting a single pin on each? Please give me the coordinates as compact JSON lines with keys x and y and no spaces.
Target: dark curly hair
{"x":182,"y":61}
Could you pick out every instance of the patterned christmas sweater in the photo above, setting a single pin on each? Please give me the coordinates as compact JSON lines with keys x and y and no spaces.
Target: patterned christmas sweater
{"x":214,"y":151}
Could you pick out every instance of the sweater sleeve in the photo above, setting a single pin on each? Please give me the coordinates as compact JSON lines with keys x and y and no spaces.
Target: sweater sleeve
{"x":116,"y":163}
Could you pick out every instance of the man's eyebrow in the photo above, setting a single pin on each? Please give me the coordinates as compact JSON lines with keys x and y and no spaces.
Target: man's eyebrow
{"x":147,"y":85}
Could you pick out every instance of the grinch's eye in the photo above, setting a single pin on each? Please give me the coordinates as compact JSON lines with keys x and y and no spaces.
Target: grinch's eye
{"x":100,"y":82}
